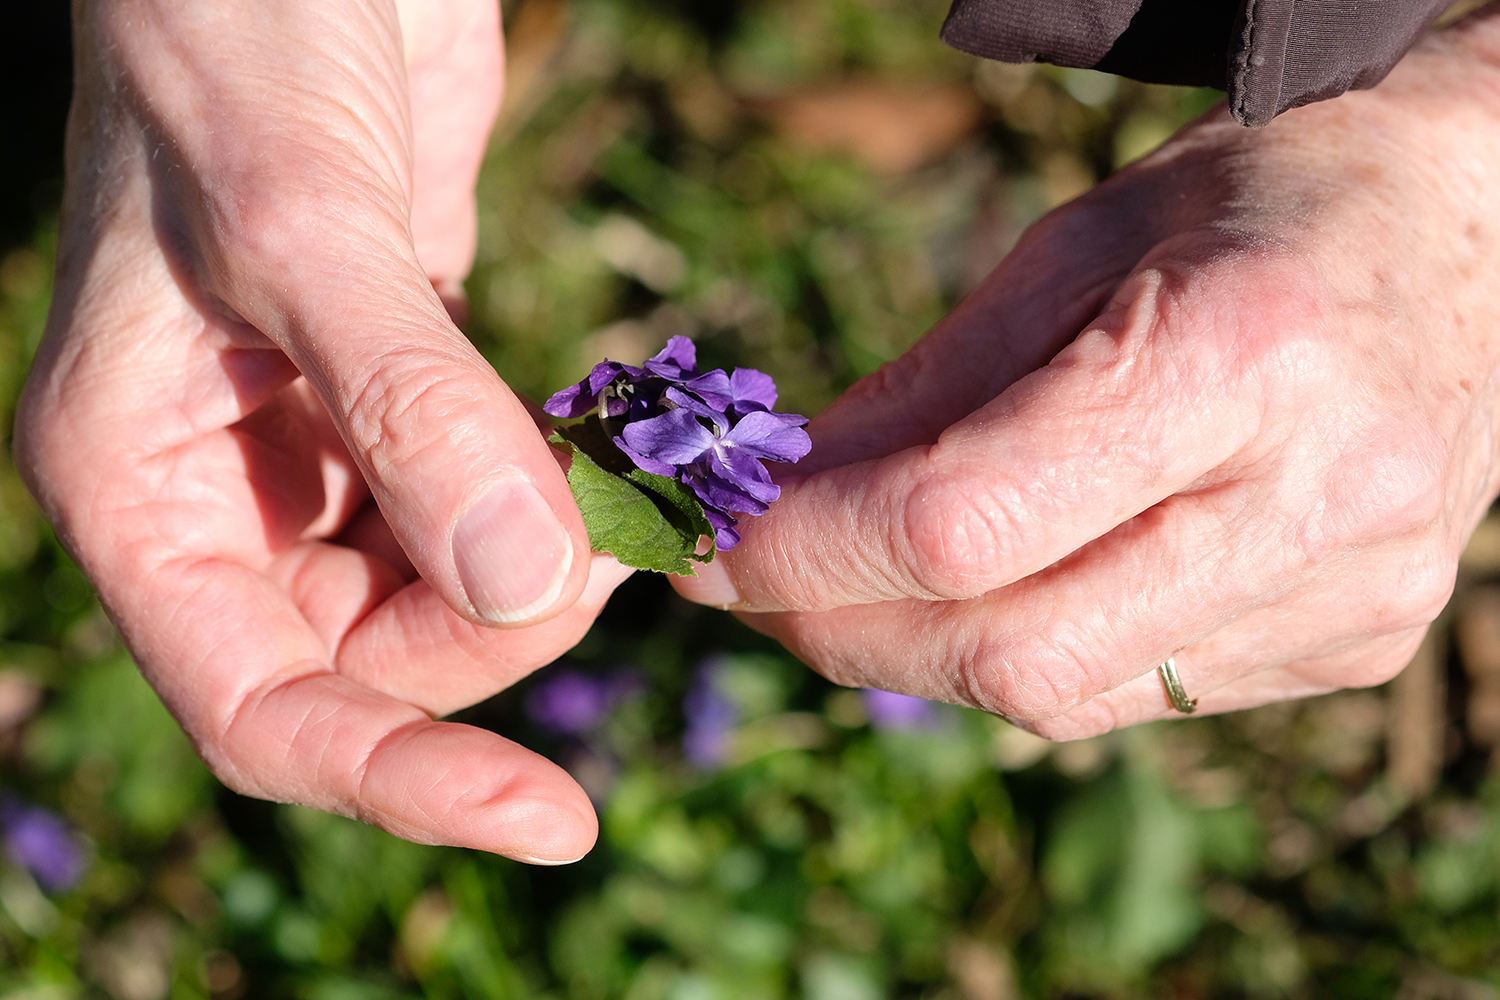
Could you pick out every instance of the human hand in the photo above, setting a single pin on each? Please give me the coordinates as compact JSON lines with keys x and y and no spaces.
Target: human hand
{"x":1238,"y":405}
{"x":304,"y":497}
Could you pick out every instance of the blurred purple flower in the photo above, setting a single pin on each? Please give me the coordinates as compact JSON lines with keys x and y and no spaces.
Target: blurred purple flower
{"x":42,"y":843}
{"x":900,"y":712}
{"x":710,"y":431}
{"x":711,"y":719}
{"x":570,"y":702}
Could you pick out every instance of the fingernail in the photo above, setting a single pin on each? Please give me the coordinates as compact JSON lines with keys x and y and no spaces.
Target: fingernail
{"x":711,"y":586}
{"x":605,"y":574}
{"x":528,"y":859}
{"x":513,"y":554}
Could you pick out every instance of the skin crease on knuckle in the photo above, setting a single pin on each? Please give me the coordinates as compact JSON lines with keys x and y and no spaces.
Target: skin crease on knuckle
{"x":955,"y":534}
{"x":410,"y":399}
{"x":1379,"y":543}
{"x":1032,"y":676}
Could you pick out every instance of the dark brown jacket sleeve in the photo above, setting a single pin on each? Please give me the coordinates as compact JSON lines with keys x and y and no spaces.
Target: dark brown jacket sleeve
{"x":1270,"y":55}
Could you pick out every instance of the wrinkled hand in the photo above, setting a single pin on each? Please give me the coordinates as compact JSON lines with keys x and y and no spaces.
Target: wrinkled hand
{"x":1237,"y":405}
{"x":304,"y":497}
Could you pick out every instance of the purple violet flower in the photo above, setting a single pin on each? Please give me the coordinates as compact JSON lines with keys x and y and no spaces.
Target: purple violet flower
{"x":750,"y":390}
{"x":570,"y":702}
{"x":678,"y":360}
{"x":42,"y":843}
{"x":899,"y":712}
{"x":710,"y":431}
{"x":577,"y":400}
{"x":711,"y":720}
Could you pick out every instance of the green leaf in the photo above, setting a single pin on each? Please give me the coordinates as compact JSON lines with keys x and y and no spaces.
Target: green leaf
{"x":644,"y":520}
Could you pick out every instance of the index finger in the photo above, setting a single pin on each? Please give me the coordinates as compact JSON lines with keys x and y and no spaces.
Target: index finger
{"x":1160,"y":391}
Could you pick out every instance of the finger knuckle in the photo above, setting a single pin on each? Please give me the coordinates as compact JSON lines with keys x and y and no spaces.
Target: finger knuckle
{"x":894,"y":385}
{"x":1283,"y":357}
{"x":410,"y":402}
{"x":1032,"y":677}
{"x":264,"y":233}
{"x":958,"y":540}
{"x":1396,"y":485}
{"x":1419,"y":588}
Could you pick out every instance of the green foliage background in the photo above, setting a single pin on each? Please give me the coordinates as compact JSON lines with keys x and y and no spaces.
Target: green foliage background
{"x":649,"y":178}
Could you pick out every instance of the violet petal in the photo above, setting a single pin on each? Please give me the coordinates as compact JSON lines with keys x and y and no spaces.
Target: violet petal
{"x":571,"y":402}
{"x":568,"y":702}
{"x":603,"y":374}
{"x":677,"y":361}
{"x":643,"y":463}
{"x":675,"y":437}
{"x":725,"y":535}
{"x":710,"y":718}
{"x":752,"y":390}
{"x":712,"y":388}
{"x":699,"y":408}
{"x":722,"y":495}
{"x":579,"y":399}
{"x":777,"y":436}
{"x":744,"y":475}
{"x":720,"y":488}
{"x":681,"y":351}
{"x":644,"y":402}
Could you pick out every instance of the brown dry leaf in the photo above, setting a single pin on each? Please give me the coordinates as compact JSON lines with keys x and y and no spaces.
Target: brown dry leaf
{"x":134,"y":961}
{"x":180,"y":886}
{"x":222,"y":974}
{"x":1478,"y":632}
{"x":833,"y":911}
{"x":888,"y":127}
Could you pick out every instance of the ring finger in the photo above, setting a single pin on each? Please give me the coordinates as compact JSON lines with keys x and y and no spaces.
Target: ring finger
{"x":1159,"y":584}
{"x":1224,"y":674}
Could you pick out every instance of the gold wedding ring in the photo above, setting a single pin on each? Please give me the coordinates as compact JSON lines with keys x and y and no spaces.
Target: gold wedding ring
{"x":1172,"y":684}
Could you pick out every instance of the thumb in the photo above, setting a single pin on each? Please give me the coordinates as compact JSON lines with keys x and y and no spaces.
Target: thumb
{"x":466,"y":482}
{"x":296,"y":215}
